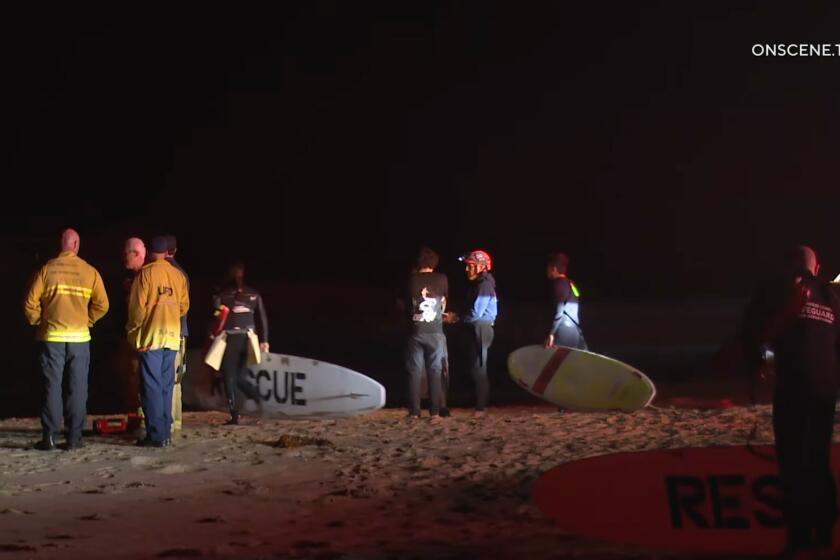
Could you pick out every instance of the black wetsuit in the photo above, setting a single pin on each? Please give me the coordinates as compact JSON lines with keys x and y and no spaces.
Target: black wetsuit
{"x":801,"y":322}
{"x":244,"y":304}
{"x":565,"y":325}
{"x":482,"y":310}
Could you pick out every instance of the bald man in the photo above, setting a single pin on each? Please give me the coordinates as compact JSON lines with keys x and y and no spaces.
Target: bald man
{"x":134,"y":254}
{"x":799,"y":319}
{"x":67,"y":296}
{"x":134,"y":258}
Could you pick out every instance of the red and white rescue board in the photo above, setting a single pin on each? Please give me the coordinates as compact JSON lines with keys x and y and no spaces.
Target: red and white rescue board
{"x":716,"y":500}
{"x":580,"y":380}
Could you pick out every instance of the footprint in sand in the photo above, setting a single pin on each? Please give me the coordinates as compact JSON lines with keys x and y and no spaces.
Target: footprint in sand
{"x":214,"y":519}
{"x":95,"y":517}
{"x":106,"y":472}
{"x":16,"y":548}
{"x":139,"y":484}
{"x":145,"y":462}
{"x":181,"y":553}
{"x":12,"y":511}
{"x":245,"y":488}
{"x":178,"y":468}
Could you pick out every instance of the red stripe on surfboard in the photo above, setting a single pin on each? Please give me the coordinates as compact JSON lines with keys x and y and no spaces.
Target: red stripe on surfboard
{"x":547,"y":373}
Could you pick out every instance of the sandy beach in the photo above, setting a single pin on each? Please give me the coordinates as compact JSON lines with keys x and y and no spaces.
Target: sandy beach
{"x":370,"y":487}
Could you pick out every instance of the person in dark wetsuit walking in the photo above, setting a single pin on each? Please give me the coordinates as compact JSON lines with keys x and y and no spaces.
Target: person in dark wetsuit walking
{"x":799,"y":319}
{"x":245,"y":304}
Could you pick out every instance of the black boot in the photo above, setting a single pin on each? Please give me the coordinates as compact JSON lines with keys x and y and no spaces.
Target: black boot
{"x":46,"y":444}
{"x":234,"y":419}
{"x":146,"y":442}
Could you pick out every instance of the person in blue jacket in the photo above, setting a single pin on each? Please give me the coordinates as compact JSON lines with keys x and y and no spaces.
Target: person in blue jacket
{"x":482,"y":310}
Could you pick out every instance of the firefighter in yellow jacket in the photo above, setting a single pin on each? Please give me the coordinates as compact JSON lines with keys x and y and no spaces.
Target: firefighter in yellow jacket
{"x":157,"y":302}
{"x":66,"y":298}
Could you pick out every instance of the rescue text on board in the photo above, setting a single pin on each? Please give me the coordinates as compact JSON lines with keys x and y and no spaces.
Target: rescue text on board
{"x":289,"y":390}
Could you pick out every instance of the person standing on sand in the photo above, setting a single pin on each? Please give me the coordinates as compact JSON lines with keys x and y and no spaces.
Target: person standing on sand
{"x":134,"y":258}
{"x":65,"y":299}
{"x":482,"y":310}
{"x":181,"y":356}
{"x":244,"y":303}
{"x":799,"y":318}
{"x":158,"y":300}
{"x":565,"y":328}
{"x":426,"y":348}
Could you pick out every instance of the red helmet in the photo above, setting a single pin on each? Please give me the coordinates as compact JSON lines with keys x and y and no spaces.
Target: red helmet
{"x":480,"y":257}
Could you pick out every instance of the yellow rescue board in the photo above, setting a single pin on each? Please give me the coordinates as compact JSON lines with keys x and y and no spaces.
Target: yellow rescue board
{"x":580,"y":380}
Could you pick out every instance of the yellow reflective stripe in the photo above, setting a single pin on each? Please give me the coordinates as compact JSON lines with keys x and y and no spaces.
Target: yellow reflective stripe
{"x":575,"y":290}
{"x":70,"y":334}
{"x":80,"y":340}
{"x":59,"y":336}
{"x":86,"y":291}
{"x":68,"y":290}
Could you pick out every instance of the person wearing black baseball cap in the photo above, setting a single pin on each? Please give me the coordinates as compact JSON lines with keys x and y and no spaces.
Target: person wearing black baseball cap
{"x":181,"y":357}
{"x":158,"y":300}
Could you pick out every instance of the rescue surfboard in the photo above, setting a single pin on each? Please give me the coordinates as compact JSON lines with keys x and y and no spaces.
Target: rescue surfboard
{"x":289,"y":387}
{"x":580,"y":380}
{"x":716,"y":500}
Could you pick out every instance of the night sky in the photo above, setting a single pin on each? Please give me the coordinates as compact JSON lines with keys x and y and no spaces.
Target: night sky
{"x":330,"y":140}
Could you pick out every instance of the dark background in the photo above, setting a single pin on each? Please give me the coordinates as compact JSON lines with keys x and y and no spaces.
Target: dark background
{"x":325,"y":142}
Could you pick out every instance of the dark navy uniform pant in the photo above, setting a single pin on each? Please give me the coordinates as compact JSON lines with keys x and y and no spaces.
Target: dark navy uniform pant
{"x":58,"y":358}
{"x":157,"y":379}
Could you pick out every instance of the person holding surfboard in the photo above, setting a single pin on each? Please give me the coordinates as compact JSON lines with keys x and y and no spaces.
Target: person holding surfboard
{"x":482,"y":310}
{"x":799,"y":318}
{"x":426,"y":350}
{"x":244,"y":304}
{"x":565,"y":327}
